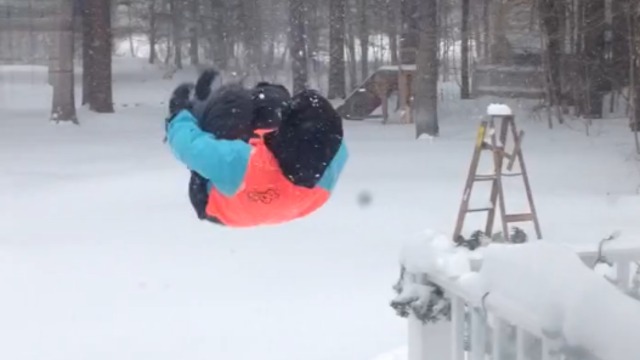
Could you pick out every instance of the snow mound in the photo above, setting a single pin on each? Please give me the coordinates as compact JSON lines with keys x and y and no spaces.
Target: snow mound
{"x":432,"y":253}
{"x":435,"y":253}
{"x":401,"y":353}
{"x":499,"y":110}
{"x":427,"y":137}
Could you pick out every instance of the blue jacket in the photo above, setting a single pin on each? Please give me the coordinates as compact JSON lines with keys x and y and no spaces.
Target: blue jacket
{"x":224,"y":162}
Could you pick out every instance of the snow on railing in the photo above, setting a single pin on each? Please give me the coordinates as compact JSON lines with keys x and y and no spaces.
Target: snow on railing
{"x":525,"y":301}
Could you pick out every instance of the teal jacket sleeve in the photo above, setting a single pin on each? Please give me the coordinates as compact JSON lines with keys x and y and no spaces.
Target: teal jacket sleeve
{"x":332,"y":173}
{"x":222,"y":162}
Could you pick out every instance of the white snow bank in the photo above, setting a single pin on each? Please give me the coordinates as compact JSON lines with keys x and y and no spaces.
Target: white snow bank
{"x":401,"y":353}
{"x":427,"y":137}
{"x":551,"y":282}
{"x":499,"y":110}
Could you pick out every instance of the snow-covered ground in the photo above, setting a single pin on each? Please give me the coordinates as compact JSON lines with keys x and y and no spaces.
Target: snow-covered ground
{"x":101,"y":256}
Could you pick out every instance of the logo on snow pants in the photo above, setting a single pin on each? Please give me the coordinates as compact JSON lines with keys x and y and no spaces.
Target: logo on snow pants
{"x":265,"y":197}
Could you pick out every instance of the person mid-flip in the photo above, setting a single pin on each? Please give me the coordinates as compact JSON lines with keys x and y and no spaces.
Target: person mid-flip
{"x":259,"y":156}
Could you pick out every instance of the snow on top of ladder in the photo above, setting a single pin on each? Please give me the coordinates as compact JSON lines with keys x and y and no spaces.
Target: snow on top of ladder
{"x":498,"y":110}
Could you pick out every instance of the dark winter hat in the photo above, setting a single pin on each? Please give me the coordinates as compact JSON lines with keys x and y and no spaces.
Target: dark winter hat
{"x":270,"y":101}
{"x":308,"y":138}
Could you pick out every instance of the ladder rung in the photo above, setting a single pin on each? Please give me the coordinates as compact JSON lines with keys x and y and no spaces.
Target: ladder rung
{"x":480,"y":209}
{"x":485,"y":177}
{"x":518,"y":217}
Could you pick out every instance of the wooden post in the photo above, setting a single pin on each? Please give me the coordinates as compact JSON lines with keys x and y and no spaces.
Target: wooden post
{"x":384,"y":97}
{"x":403,"y":95}
{"x":381,"y":87}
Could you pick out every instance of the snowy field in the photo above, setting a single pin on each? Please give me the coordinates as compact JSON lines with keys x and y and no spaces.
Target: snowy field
{"x":101,"y":256}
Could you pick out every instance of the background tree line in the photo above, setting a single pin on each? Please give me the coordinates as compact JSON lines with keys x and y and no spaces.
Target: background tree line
{"x":585,"y":48}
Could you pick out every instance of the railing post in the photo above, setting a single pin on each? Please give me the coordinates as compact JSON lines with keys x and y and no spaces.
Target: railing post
{"x":497,"y":342}
{"x":623,"y":270}
{"x":417,"y":342}
{"x":457,"y":328}
{"x":478,"y":335}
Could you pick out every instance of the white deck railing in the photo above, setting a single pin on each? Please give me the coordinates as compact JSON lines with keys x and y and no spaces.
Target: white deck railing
{"x":497,"y":328}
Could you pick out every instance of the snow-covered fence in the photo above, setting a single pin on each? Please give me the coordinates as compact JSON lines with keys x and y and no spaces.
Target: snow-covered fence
{"x":527,"y":301}
{"x":618,"y":264}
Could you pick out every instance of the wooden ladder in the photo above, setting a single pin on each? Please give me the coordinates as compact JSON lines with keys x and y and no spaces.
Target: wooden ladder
{"x":497,"y":148}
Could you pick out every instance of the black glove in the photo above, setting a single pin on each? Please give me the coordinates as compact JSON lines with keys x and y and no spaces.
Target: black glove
{"x":180,"y":100}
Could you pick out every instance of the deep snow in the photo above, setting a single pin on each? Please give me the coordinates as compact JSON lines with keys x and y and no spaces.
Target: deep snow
{"x":101,"y":256}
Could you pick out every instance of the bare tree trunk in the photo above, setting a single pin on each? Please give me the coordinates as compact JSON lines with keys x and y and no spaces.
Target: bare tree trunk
{"x":352,"y":64}
{"x":314,"y":26}
{"x":257,"y":34}
{"x":425,"y":106}
{"x":444,"y":34}
{"x":499,"y":43}
{"x":579,"y":96}
{"x":337,"y":82}
{"x":176,"y":30}
{"x":364,"y":38}
{"x":87,"y":53}
{"x":152,"y":31}
{"x":486,"y":29}
{"x":242,"y":28}
{"x":63,"y":103}
{"x":132,"y":49}
{"x":594,"y":25}
{"x":464,"y":52}
{"x":620,"y":42}
{"x":167,"y":57}
{"x":410,"y":31}
{"x":392,"y":28}
{"x":636,"y":70}
{"x":297,"y":46}
{"x":634,"y":66}
{"x":217,"y":33}
{"x":476,"y":30}
{"x":194,"y":46}
{"x":552,"y":16}
{"x":100,"y":94}
{"x":571,"y":25}
{"x":53,"y":56}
